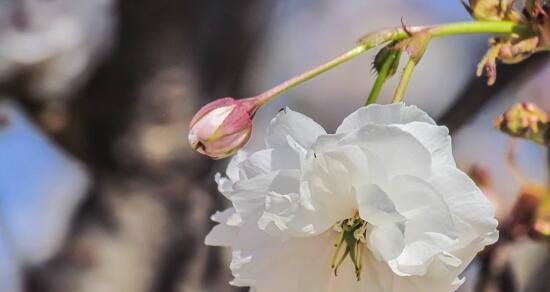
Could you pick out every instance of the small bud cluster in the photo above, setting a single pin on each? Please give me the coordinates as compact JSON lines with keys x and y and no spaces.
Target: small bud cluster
{"x":525,"y":120}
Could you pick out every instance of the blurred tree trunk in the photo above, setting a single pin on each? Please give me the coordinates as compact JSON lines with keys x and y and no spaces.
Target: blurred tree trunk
{"x":143,"y":227}
{"x":539,"y":281}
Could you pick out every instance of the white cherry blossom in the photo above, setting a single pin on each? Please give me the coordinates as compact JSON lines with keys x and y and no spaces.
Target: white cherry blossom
{"x":378,"y":206}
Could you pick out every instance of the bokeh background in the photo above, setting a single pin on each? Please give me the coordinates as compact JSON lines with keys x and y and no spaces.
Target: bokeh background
{"x":99,"y":190}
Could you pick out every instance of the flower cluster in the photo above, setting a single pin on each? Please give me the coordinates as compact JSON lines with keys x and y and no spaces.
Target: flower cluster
{"x":378,"y":206}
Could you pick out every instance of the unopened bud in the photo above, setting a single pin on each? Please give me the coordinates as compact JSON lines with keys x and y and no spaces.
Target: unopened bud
{"x":385,"y":55}
{"x":525,"y":120}
{"x":222,"y":127}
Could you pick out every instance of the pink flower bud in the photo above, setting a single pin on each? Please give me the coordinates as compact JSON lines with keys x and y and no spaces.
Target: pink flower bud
{"x":222,"y":127}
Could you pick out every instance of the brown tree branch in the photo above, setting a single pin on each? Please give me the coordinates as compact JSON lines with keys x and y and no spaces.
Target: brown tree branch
{"x":477,"y":94}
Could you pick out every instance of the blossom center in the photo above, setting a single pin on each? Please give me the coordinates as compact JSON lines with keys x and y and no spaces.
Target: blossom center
{"x":352,"y":236}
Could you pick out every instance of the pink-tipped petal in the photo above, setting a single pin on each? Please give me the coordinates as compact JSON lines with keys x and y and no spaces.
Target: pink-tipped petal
{"x":222,"y":102}
{"x":223,"y":126}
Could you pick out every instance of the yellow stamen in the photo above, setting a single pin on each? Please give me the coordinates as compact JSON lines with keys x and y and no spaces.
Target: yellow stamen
{"x":352,"y":233}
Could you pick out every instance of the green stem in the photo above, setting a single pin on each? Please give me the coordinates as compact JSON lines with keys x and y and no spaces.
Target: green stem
{"x":479,"y":27}
{"x":395,"y":34}
{"x":382,"y":76}
{"x":291,"y":83}
{"x":404,"y":82}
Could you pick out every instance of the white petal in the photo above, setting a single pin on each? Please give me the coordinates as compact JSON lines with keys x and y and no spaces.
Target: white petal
{"x":291,"y":215}
{"x":278,"y":206}
{"x":412,"y":194}
{"x":466,"y":253}
{"x":232,"y":167}
{"x":383,"y":115}
{"x":435,"y":138}
{"x":346,"y":280}
{"x":268,"y":160}
{"x":417,"y":256}
{"x":289,"y":124}
{"x":329,"y":178}
{"x":270,"y":265}
{"x":400,"y":152}
{"x":424,"y":207}
{"x":325,"y":143}
{"x":225,"y":233}
{"x":378,"y":277}
{"x":227,"y":216}
{"x":279,"y":210}
{"x":249,"y":196}
{"x":225,"y":185}
{"x":222,"y":235}
{"x":375,"y":206}
{"x":437,"y":278}
{"x":466,"y":201}
{"x":386,"y":242}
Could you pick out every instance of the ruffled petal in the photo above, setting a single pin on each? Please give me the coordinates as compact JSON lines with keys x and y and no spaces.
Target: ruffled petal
{"x":292,"y":129}
{"x":276,"y":204}
{"x":417,"y":256}
{"x":225,"y":185}
{"x":271,"y":265}
{"x":385,"y":242}
{"x":249,"y":196}
{"x":400,"y":152}
{"x":232,"y":168}
{"x":269,"y":160}
{"x":329,"y":178}
{"x":226,"y":232}
{"x":375,"y":206}
{"x":466,"y":202}
{"x":436,"y":139}
{"x":383,"y":115}
{"x":439,"y":277}
{"x":227,"y":216}
{"x":288,"y":216}
{"x":222,"y":235}
{"x":412,"y":195}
